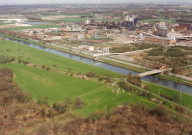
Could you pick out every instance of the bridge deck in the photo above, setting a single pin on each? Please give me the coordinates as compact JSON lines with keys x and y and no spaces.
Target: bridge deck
{"x":105,"y":54}
{"x":149,"y":73}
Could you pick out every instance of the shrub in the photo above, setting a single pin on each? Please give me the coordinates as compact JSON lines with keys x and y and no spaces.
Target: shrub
{"x":101,"y":78}
{"x":44,"y":101}
{"x":48,"y":69}
{"x":5,"y":59}
{"x":176,"y":98}
{"x":135,"y":80}
{"x":166,"y":96}
{"x":180,"y":109}
{"x":159,"y":111}
{"x":108,"y":80}
{"x":90,"y":74}
{"x":78,"y":103}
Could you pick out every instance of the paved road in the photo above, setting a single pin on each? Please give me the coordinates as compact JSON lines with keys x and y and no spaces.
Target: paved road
{"x":126,"y":63}
{"x":72,"y":49}
{"x":181,"y":76}
{"x":135,"y":52}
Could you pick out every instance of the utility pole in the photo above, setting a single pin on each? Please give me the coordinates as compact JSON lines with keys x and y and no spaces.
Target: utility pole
{"x":180,"y":93}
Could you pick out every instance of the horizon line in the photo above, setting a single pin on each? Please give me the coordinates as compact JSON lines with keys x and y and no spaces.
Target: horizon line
{"x":95,"y":3}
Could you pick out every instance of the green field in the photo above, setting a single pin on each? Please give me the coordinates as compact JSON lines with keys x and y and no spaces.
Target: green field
{"x":57,"y":86}
{"x":4,"y":23}
{"x":185,"y":99}
{"x":38,"y":57}
{"x":60,"y":15}
{"x":72,"y":20}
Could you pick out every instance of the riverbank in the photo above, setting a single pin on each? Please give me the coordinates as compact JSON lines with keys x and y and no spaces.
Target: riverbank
{"x":183,"y":99}
{"x":140,"y":70}
{"x":175,"y":79}
{"x":47,"y":46}
{"x":125,"y":66}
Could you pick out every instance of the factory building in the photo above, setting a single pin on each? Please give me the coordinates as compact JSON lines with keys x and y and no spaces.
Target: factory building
{"x":159,"y":40}
{"x":161,"y":29}
{"x":187,"y":25}
{"x":180,"y":29}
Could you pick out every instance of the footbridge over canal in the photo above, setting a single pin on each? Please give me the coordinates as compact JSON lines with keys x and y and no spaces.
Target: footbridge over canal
{"x":150,"y":73}
{"x":153,"y":72}
{"x":105,"y":54}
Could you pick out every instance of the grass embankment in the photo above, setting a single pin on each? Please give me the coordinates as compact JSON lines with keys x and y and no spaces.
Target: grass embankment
{"x":49,"y":46}
{"x":157,"y":89}
{"x":36,"y":56}
{"x":175,"y":79}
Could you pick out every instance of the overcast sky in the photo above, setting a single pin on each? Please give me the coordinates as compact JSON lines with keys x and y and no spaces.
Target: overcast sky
{"x":88,"y":1}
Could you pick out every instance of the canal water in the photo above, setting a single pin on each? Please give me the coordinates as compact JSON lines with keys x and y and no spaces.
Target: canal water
{"x":152,"y":79}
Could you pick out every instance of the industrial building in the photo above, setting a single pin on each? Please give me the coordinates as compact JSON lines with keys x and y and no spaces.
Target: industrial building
{"x":180,"y":29}
{"x":187,"y":25}
{"x":159,"y":40}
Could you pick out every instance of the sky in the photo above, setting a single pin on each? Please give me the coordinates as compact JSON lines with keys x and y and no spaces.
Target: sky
{"x":2,"y":2}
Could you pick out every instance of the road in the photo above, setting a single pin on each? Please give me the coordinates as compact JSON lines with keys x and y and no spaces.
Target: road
{"x":126,"y":63}
{"x":75,"y":49}
{"x":181,"y":76}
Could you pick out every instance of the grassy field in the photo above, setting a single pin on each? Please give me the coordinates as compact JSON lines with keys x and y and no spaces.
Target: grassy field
{"x":36,"y":56}
{"x":4,"y":23}
{"x":57,"y":86}
{"x":65,"y":18}
{"x":61,"y":15}
{"x":185,"y":100}
{"x":72,"y":20}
